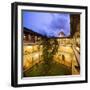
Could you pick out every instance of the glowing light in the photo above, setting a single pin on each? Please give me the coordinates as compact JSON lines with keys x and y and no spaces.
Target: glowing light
{"x":29,"y":47}
{"x":36,"y":56}
{"x":78,"y":48}
{"x":24,"y":36}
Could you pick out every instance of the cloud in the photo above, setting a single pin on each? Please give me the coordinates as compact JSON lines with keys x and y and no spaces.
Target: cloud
{"x":48,"y":24}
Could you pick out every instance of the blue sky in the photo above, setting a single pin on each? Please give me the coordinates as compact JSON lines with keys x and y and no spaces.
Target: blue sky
{"x":46,"y":23}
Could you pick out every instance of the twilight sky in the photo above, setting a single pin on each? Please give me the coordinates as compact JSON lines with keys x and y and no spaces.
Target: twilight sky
{"x":46,"y":23}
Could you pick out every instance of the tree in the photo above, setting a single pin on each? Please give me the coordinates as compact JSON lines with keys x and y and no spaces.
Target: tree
{"x":50,"y":48}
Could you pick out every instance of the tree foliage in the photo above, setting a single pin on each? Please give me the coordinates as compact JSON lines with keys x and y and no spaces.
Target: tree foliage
{"x":50,"y":48}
